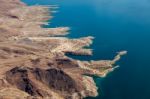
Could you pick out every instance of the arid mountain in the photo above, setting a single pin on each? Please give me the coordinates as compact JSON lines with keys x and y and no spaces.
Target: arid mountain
{"x":33,"y":61}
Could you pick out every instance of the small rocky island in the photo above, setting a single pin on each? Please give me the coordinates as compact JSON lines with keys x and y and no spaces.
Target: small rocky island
{"x":33,"y":61}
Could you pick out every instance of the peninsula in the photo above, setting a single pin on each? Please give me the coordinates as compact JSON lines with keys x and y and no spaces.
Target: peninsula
{"x":33,"y":61}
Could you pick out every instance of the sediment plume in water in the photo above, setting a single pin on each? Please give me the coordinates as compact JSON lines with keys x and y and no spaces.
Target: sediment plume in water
{"x":33,"y":61}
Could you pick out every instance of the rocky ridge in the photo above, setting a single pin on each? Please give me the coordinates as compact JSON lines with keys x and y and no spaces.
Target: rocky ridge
{"x":33,"y":61}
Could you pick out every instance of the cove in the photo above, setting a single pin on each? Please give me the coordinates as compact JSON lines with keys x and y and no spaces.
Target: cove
{"x":116,"y":25}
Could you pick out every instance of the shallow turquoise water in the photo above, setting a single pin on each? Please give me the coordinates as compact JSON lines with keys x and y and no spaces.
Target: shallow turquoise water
{"x":116,"y":25}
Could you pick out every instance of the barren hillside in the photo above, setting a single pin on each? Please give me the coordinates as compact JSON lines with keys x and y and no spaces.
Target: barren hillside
{"x":33,"y":64}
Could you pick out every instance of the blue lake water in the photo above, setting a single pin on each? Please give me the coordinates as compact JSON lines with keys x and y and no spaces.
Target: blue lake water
{"x":116,"y":25}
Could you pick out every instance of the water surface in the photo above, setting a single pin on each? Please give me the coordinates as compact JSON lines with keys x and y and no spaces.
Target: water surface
{"x":116,"y":25}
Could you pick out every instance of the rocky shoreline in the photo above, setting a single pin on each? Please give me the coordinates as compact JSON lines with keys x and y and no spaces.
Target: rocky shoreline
{"x":33,"y":64}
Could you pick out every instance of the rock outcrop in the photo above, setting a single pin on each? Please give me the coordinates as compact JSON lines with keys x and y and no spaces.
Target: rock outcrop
{"x":33,"y":61}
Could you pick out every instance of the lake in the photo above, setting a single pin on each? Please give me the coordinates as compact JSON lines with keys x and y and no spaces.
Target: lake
{"x":116,"y":25}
